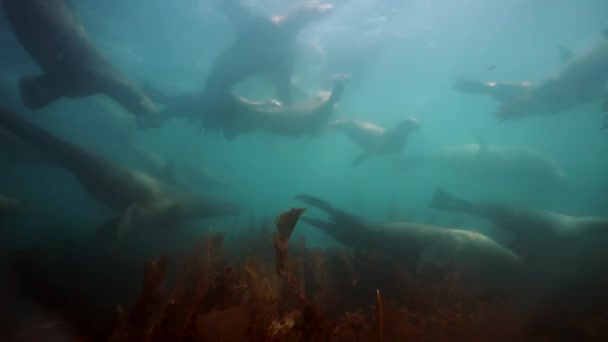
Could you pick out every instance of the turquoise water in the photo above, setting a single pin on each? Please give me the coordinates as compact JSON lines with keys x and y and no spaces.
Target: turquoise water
{"x":424,"y":46}
{"x":402,"y":57}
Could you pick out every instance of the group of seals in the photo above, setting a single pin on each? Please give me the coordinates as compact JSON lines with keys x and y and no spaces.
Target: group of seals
{"x":581,"y":79}
{"x":52,"y":34}
{"x":417,"y":245}
{"x":142,"y":201}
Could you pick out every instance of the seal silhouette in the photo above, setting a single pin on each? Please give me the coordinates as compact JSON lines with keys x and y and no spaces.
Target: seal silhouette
{"x":52,"y":34}
{"x":143,"y":201}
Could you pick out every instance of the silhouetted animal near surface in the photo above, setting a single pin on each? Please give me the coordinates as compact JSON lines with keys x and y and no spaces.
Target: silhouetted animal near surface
{"x":248,"y":55}
{"x":142,"y":201}
{"x":72,"y":66}
{"x":581,"y":79}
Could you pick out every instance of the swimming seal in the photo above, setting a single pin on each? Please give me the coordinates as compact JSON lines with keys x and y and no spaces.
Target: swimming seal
{"x":580,"y":80}
{"x":273,"y":55}
{"x":308,"y":118}
{"x":142,"y":201}
{"x":249,"y":55}
{"x":498,"y":163}
{"x":374,"y":139}
{"x":418,"y":245}
{"x":539,"y":227}
{"x":72,"y":66}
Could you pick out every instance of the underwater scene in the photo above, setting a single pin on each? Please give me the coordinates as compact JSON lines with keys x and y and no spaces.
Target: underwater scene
{"x":294,"y":170}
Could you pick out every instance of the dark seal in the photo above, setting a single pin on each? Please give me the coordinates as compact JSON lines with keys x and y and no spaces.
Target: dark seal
{"x":72,"y":66}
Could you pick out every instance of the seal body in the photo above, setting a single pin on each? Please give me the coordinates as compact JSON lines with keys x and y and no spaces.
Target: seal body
{"x":72,"y":66}
{"x":374,"y":139}
{"x":581,"y":79}
{"x":308,"y":118}
{"x":540,"y":227}
{"x":263,"y":46}
{"x":503,"y":163}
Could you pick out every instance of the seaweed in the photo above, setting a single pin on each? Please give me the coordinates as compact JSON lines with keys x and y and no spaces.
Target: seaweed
{"x":261,"y":286}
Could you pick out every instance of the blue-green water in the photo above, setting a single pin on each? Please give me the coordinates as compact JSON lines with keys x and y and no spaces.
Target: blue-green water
{"x":403,"y":58}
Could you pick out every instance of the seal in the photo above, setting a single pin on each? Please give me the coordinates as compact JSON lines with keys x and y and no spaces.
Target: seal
{"x":562,"y":254}
{"x":374,"y":139}
{"x":500,"y":163}
{"x":418,"y":245}
{"x":582,"y":79}
{"x":11,"y":207}
{"x":308,"y":118}
{"x":537,"y":227}
{"x":272,"y":56}
{"x":52,"y":34}
{"x":142,"y":201}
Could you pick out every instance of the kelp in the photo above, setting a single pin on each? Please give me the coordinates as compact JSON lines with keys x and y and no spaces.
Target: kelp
{"x":255,"y":285}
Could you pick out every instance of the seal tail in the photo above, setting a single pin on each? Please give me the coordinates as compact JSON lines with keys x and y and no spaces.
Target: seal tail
{"x":445,"y":201}
{"x":316,"y":202}
{"x":340,"y":217}
{"x":327,"y":227}
{"x":37,"y":92}
{"x":341,"y":232}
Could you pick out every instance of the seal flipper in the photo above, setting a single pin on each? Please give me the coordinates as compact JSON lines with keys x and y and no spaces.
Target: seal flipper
{"x":38,"y":91}
{"x":340,"y":217}
{"x":349,"y":235}
{"x":316,"y":202}
{"x":444,"y":201}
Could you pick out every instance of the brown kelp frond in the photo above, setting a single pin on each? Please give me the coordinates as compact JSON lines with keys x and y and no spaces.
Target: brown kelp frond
{"x":285,"y":224}
{"x":313,"y":323}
